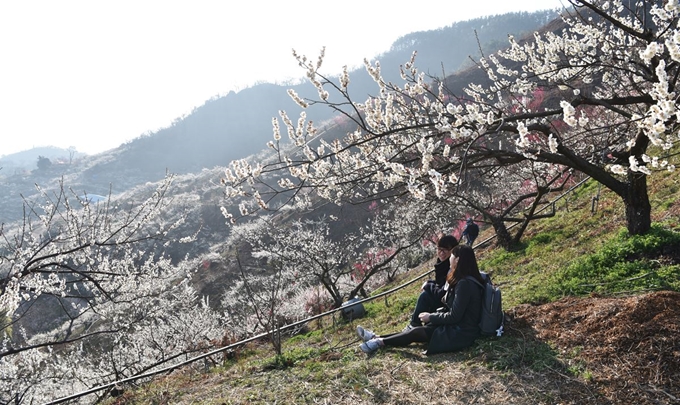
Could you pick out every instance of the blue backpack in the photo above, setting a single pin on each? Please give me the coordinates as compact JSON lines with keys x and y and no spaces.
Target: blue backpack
{"x":491,"y":323}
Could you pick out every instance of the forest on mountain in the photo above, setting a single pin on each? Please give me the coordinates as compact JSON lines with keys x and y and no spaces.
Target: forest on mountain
{"x":203,"y":239}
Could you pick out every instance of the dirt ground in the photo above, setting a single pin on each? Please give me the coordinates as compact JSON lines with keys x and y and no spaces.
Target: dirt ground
{"x":628,"y":347}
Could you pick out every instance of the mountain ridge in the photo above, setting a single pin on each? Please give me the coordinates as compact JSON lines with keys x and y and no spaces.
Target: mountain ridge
{"x":238,"y":124}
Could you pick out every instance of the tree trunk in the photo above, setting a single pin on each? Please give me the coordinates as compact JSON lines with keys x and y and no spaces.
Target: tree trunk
{"x":503,"y":238}
{"x":638,"y":209}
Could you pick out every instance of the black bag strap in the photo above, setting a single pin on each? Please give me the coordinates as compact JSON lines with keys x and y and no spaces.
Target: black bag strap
{"x":475,"y":281}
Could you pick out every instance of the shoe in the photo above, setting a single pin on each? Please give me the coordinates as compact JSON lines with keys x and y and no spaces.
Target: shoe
{"x":408,"y":328}
{"x":371,"y":346}
{"x":365,"y":334}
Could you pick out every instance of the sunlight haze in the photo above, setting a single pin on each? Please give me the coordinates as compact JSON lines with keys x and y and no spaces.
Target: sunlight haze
{"x":94,"y":75}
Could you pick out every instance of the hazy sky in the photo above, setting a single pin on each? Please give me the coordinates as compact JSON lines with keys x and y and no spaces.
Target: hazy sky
{"x":94,"y":74}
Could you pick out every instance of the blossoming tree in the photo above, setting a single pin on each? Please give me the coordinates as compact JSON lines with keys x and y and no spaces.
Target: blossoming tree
{"x":313,"y":252}
{"x":88,"y":297}
{"x":513,"y":194}
{"x":595,"y":93}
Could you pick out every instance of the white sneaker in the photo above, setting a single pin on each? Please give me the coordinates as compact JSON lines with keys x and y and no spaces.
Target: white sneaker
{"x":371,"y":346}
{"x":408,"y":328}
{"x":365,"y":334}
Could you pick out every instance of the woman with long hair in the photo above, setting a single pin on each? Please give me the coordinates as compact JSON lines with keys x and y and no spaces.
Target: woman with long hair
{"x":454,"y":328}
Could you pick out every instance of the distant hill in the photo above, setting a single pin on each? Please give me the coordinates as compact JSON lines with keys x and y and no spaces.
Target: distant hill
{"x":28,"y":160}
{"x":238,"y":125}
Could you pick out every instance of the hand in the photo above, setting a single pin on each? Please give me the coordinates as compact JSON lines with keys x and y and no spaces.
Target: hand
{"x":424,"y":317}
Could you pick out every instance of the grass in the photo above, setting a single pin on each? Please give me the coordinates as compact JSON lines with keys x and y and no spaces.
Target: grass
{"x":622,"y":263}
{"x":579,"y":251}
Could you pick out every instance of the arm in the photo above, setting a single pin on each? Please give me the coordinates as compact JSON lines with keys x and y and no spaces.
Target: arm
{"x":436,"y":291}
{"x":436,"y":287}
{"x":463,"y":295}
{"x":441,"y":269}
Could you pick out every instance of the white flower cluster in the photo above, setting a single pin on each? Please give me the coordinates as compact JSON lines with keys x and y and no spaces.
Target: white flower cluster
{"x":298,"y":100}
{"x":654,"y":122}
{"x":653,"y":49}
{"x":312,"y":72}
{"x":408,"y":69}
{"x":374,"y":72}
{"x":344,"y":78}
{"x":241,"y":170}
{"x":439,"y":182}
{"x":522,"y":141}
{"x":552,"y":143}
{"x":618,"y":169}
{"x":634,"y":166}
{"x":650,"y":161}
{"x":568,"y":112}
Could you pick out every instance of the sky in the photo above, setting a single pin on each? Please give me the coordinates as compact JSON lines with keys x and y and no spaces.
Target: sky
{"x":95,"y":74}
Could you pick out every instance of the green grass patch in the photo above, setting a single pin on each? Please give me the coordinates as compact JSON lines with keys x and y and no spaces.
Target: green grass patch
{"x":289,"y":358}
{"x":314,"y":335}
{"x":623,"y":264}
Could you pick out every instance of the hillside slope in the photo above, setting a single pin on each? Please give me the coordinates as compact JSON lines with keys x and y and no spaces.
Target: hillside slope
{"x":618,"y":344}
{"x":574,"y":351}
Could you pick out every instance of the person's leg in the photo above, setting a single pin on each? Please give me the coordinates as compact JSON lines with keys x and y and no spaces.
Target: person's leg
{"x":425,"y":303}
{"x":417,"y":334}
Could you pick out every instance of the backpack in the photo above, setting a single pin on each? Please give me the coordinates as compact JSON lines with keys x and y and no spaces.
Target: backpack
{"x":493,"y":318}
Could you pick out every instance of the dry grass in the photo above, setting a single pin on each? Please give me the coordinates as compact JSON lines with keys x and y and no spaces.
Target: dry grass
{"x":578,"y":350}
{"x":574,"y":350}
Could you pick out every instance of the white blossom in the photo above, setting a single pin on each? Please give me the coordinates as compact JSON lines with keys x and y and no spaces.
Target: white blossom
{"x":552,"y":143}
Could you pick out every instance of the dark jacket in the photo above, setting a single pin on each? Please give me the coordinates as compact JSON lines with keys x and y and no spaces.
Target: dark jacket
{"x":471,"y":231}
{"x":436,"y":287}
{"x":459,"y":326}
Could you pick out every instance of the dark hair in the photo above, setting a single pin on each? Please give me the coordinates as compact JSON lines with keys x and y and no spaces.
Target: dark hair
{"x":447,"y":242}
{"x":466,"y":266}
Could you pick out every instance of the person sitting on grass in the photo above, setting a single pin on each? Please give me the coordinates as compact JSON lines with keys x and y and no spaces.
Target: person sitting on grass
{"x":454,"y":328}
{"x":432,"y":291}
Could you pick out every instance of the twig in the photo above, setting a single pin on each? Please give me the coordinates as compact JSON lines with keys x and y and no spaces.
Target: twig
{"x":398,"y":367}
{"x":653,"y":389}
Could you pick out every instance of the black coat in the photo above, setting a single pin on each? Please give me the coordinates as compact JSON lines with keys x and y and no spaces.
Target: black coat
{"x":471,"y":231}
{"x":436,"y":287}
{"x":459,"y":326}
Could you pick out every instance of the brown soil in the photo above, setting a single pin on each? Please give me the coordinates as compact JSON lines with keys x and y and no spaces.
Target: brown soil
{"x":630,"y":346}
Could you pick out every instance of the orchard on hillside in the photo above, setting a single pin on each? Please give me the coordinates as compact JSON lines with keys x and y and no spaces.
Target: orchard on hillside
{"x":88,"y":296}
